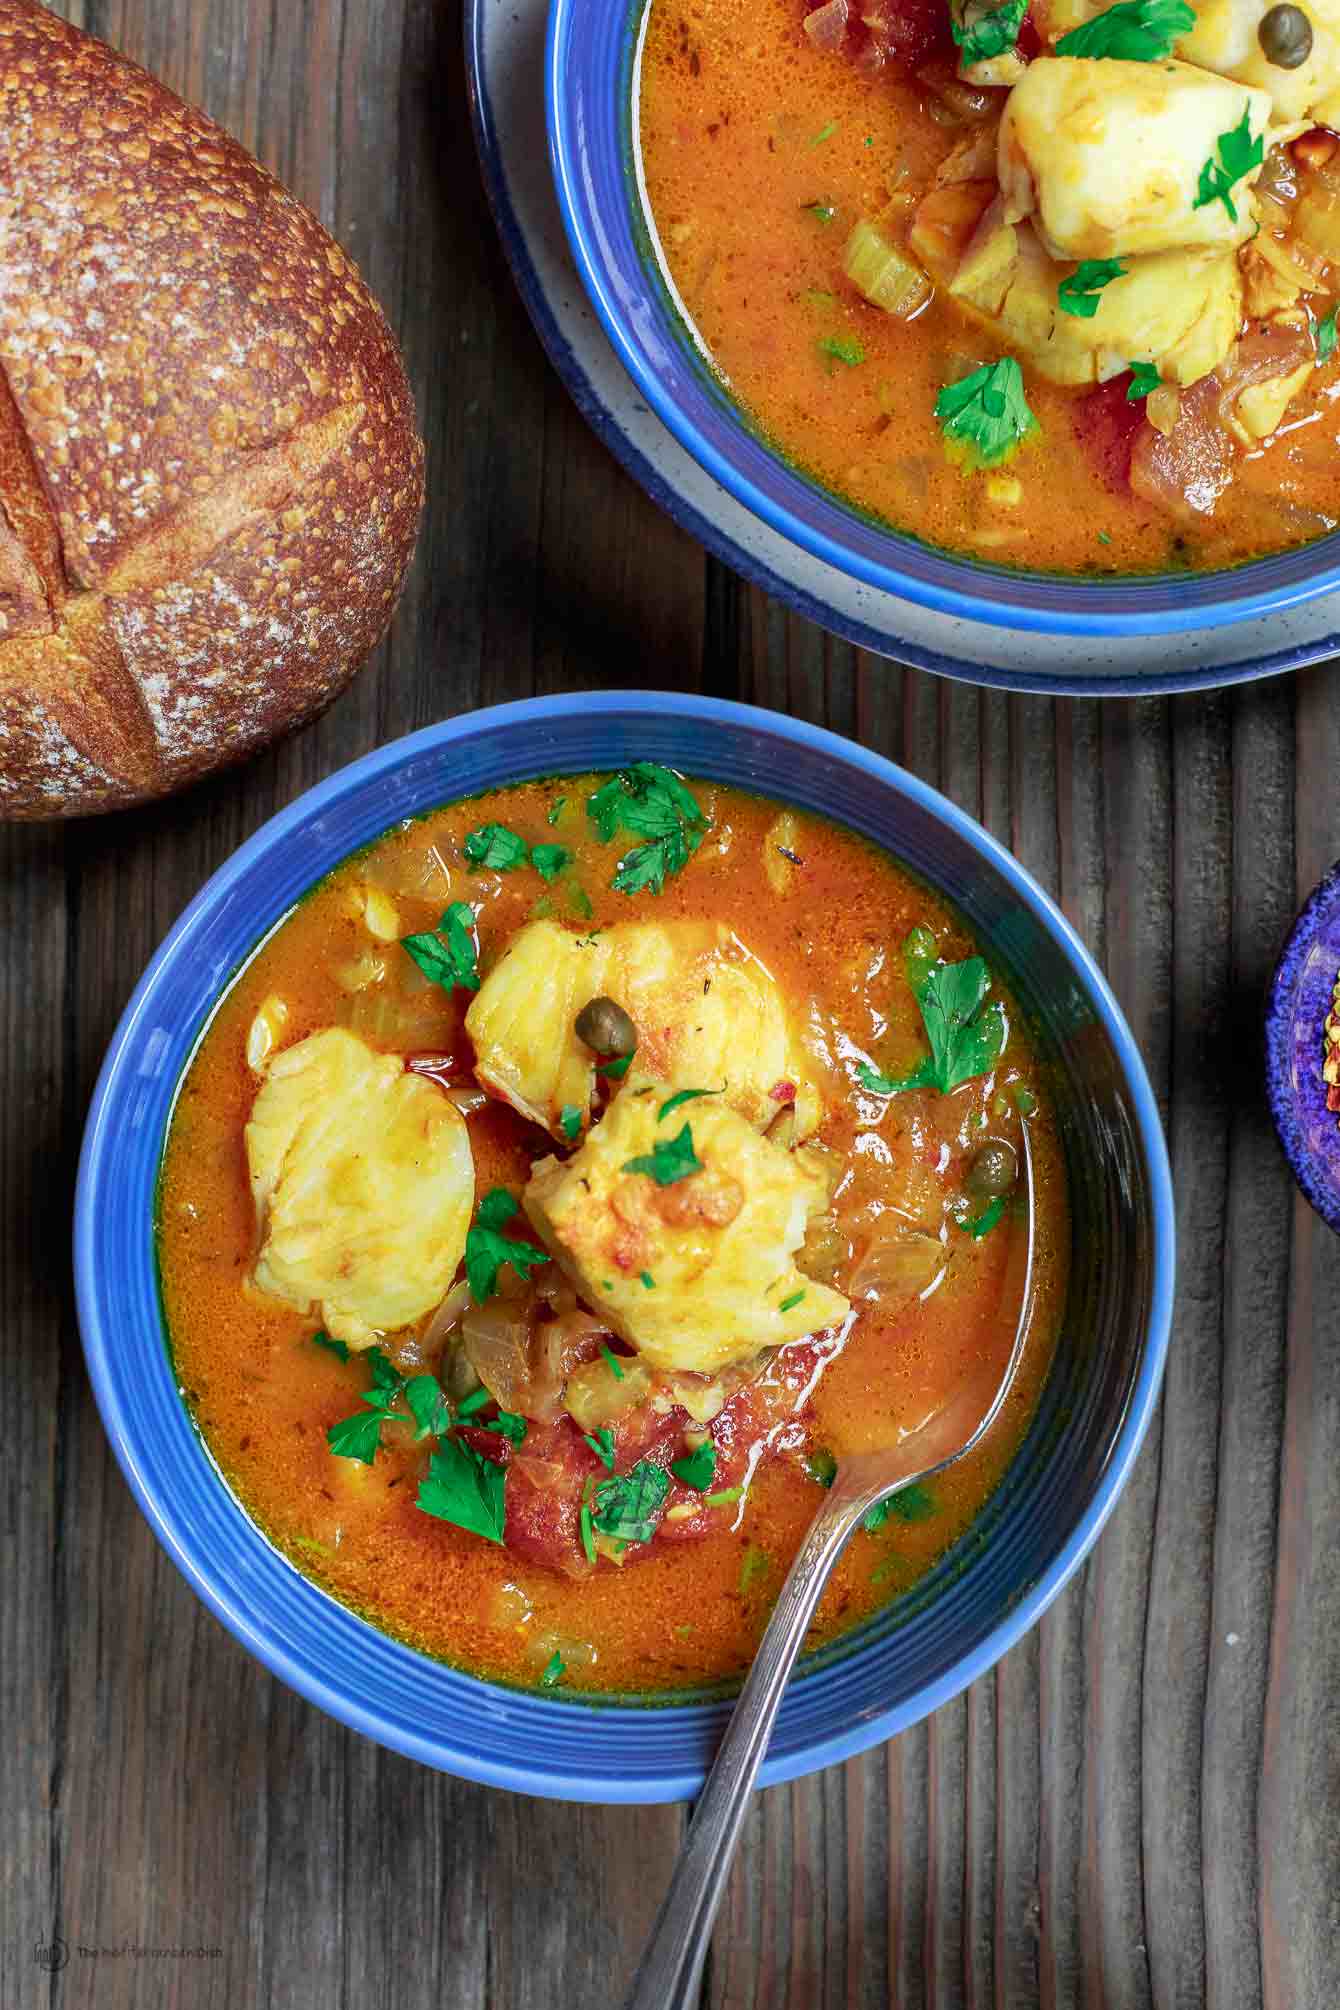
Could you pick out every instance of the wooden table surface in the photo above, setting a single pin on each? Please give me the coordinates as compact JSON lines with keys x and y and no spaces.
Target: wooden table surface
{"x":1140,"y":1806}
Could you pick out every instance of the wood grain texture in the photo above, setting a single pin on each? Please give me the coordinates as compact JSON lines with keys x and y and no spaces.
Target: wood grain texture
{"x":1139,"y":1808}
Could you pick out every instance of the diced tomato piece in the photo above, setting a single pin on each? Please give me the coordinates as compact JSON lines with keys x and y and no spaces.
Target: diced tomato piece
{"x":1030,"y":42}
{"x":909,"y":31}
{"x":1106,"y":425}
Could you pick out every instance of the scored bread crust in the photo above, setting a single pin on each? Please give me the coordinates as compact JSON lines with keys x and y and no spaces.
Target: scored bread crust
{"x":210,"y":474}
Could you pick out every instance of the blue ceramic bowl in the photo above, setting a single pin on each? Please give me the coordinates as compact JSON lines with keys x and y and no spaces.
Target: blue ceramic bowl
{"x":983,"y":1595}
{"x":592,"y":66}
{"x":1300,"y":1000}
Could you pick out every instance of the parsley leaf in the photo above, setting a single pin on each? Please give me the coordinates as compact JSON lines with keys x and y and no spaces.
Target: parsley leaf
{"x":757,"y":1564}
{"x":1326,"y":338}
{"x":842,"y":349}
{"x":648,"y":1281}
{"x":984,"y":33}
{"x":555,"y":811}
{"x":486,"y":1251}
{"x":570,"y":1121}
{"x":555,"y":1669}
{"x":508,"y":1425}
{"x":982,"y":1224}
{"x":336,"y":1347}
{"x":669,"y":1160}
{"x":986,"y":412}
{"x":549,"y":859}
{"x":356,"y":1437}
{"x":913,"y":1503}
{"x":823,"y":212}
{"x":448,"y":956}
{"x":790,"y":1304}
{"x":1134,"y":31}
{"x":966,"y":1034}
{"x":628,"y":1506}
{"x":821,"y":1467}
{"x":464,"y":1487}
{"x":653,"y":804}
{"x":1080,"y":292}
{"x":612,"y":1362}
{"x":496,"y":848}
{"x":602,"y":1444}
{"x":1239,"y":152}
{"x":685,"y":1096}
{"x":1144,"y":379}
{"x":615,"y":1070}
{"x":698,"y":1468}
{"x":428,"y":1406}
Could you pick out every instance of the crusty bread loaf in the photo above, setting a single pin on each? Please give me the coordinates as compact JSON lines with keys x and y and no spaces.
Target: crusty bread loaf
{"x":210,"y":475}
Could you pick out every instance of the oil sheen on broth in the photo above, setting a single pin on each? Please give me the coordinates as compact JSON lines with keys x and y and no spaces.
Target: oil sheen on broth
{"x":764,"y":149}
{"x":901,"y":1229}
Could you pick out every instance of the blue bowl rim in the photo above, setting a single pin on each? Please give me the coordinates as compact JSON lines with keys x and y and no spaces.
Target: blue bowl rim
{"x":97,"y":1162}
{"x":1322,"y":1194}
{"x":1133,"y":607}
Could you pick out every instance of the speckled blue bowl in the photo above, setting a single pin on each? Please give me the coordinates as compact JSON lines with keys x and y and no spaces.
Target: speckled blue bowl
{"x":592,"y":64}
{"x":1300,"y":999}
{"x":989,"y":1588}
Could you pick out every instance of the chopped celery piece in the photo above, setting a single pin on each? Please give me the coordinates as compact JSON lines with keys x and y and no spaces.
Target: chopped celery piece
{"x":886,"y":276}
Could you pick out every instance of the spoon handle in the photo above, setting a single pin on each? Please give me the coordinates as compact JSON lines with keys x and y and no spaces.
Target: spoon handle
{"x":670,"y":1971}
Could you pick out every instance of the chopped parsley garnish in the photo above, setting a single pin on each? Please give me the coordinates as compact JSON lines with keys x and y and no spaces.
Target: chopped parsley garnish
{"x":359,"y":1436}
{"x":615,"y":1070}
{"x":570,"y":1121}
{"x":612,"y":1362}
{"x":1134,"y":31}
{"x":602,"y":1444}
{"x":1326,"y":338}
{"x":584,"y":1523}
{"x":1080,"y":292}
{"x":464,"y":1487}
{"x":495,"y":848}
{"x":428,"y":1405}
{"x":669,"y":1160}
{"x":628,"y":1506}
{"x":555,"y":1669}
{"x":648,"y":1281}
{"x":653,"y":804}
{"x":982,"y":1224}
{"x":984,"y":34}
{"x":486,"y":1251}
{"x":726,"y":1498}
{"x":685,"y":1096}
{"x":697,"y":1468}
{"x":824,"y":133}
{"x":579,"y":900}
{"x":448,"y":956}
{"x":842,"y":349}
{"x":1144,"y":379}
{"x":790,"y":1304}
{"x":821,"y":1466}
{"x":823,"y":212}
{"x":966,"y":1034}
{"x":1104,"y":536}
{"x":508,"y":1425}
{"x":1238,"y":153}
{"x":555,"y":811}
{"x":912,"y":1503}
{"x":478,"y":1399}
{"x":986,"y":412}
{"x":356,"y":1437}
{"x":336,"y":1347}
{"x":549,"y":859}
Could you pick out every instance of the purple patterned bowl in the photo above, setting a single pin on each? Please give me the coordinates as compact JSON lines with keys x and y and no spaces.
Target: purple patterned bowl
{"x":1300,"y":1001}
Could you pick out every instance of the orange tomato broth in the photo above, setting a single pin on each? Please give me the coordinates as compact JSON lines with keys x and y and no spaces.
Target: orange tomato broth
{"x":744,"y":126}
{"x":263,"y":1395}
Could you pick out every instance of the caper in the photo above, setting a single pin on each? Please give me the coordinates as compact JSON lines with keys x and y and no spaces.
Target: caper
{"x":1285,"y":35}
{"x":993,"y":1170}
{"x":606,"y":1027}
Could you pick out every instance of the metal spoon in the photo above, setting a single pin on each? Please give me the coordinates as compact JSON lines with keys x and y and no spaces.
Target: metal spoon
{"x":670,"y":1971}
